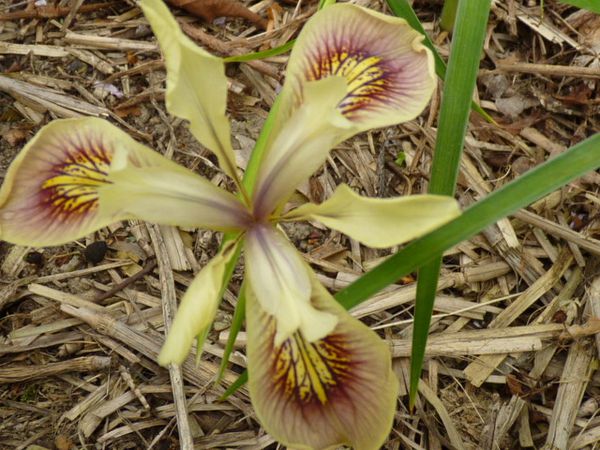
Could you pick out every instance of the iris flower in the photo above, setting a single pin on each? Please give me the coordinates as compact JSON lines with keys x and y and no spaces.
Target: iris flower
{"x":318,"y":378}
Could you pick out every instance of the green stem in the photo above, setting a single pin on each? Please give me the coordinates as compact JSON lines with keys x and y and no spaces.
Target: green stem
{"x":448,"y":15}
{"x":453,"y":120}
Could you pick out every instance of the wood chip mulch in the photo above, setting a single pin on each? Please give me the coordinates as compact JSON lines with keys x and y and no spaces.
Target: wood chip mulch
{"x":513,"y":353}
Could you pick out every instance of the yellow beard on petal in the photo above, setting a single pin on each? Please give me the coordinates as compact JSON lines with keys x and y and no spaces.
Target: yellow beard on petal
{"x":72,"y":188}
{"x":309,"y":371}
{"x":364,"y":74}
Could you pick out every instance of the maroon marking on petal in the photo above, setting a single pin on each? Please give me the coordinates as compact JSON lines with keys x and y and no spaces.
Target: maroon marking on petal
{"x":370,"y":80}
{"x":69,"y":191}
{"x":313,"y":374}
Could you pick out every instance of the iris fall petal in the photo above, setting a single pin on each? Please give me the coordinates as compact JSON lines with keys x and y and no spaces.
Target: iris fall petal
{"x":78,"y":175}
{"x":51,"y":192}
{"x":389,"y":73}
{"x":339,"y":390}
{"x":379,"y":222}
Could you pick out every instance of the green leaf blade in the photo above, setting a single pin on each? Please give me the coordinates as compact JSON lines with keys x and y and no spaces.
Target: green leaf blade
{"x":461,"y":75}
{"x":402,"y":8}
{"x":513,"y":196}
{"x":590,"y":5}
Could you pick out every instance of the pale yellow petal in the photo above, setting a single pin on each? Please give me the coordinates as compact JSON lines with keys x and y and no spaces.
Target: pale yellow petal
{"x":197,"y":309}
{"x":379,"y":222}
{"x":196,"y":84}
{"x":390,"y":74}
{"x":153,"y":188}
{"x":302,"y":144}
{"x":68,"y":182}
{"x":281,"y":282}
{"x":339,"y":390}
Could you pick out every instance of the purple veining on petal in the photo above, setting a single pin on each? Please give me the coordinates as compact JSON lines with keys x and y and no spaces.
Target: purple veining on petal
{"x":381,"y":66}
{"x":57,"y":189}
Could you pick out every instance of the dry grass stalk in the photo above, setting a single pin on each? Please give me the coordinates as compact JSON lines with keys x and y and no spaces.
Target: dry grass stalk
{"x":86,"y":403}
{"x":550,"y":70}
{"x":18,"y":374}
{"x":590,"y":244}
{"x":479,"y":370}
{"x":573,"y":382}
{"x":169,"y":304}
{"x":510,"y":411}
{"x":103,"y":42}
{"x":62,"y":105}
{"x":439,"y":407}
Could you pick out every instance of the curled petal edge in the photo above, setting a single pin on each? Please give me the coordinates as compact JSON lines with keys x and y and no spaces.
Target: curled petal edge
{"x":377,"y":222}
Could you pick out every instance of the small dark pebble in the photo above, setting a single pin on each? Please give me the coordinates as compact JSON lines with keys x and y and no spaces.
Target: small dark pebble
{"x":35,"y":258}
{"x":95,"y":252}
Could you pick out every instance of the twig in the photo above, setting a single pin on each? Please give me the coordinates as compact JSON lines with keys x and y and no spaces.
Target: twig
{"x":51,"y":12}
{"x":149,"y":267}
{"x":549,"y":69}
{"x":16,"y":374}
{"x":221,"y":47}
{"x":587,"y":243}
{"x":209,"y":10}
{"x":574,"y":379}
{"x":169,"y":305}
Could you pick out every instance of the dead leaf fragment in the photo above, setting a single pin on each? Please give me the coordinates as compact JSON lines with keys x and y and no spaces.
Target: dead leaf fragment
{"x":209,"y":10}
{"x":15,"y":136}
{"x":62,"y":442}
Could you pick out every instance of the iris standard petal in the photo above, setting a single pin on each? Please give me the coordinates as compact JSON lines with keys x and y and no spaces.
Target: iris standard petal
{"x":197,"y":309}
{"x":339,"y":390}
{"x":302,"y":144}
{"x":281,"y":282}
{"x":390,"y":74}
{"x":78,"y":175}
{"x":196,"y":85}
{"x":379,"y":222}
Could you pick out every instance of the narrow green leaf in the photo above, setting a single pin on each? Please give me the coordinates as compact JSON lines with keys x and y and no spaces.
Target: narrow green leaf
{"x":324,"y":3}
{"x":531,"y":186}
{"x":200,"y":339}
{"x":238,"y":383}
{"x":427,"y":281}
{"x":236,"y":326}
{"x":402,"y":8}
{"x":448,"y":15}
{"x":590,"y":5}
{"x":260,"y":148}
{"x":262,"y":54}
{"x":467,"y":42}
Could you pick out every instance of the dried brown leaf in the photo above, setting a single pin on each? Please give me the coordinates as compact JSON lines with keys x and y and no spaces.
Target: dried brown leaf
{"x":211,"y":9}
